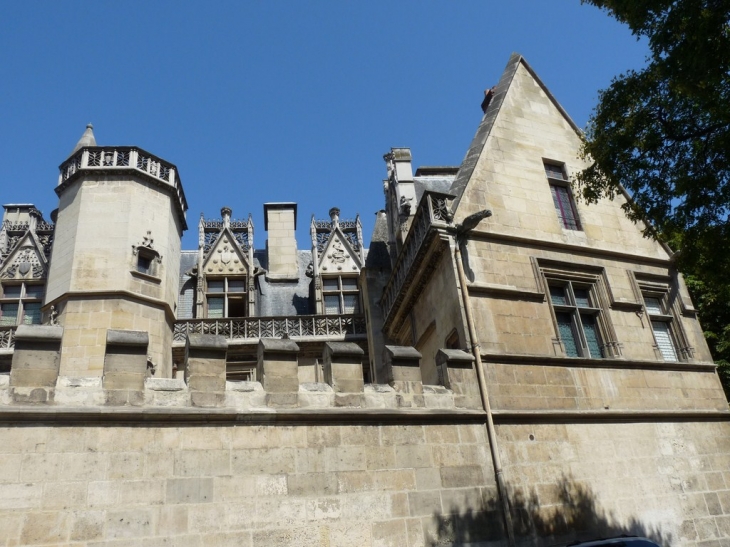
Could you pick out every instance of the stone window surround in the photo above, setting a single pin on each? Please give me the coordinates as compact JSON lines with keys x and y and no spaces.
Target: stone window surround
{"x":579,"y":307}
{"x":146,"y":263}
{"x":562,"y":195}
{"x":667,"y":315}
{"x":557,"y":273}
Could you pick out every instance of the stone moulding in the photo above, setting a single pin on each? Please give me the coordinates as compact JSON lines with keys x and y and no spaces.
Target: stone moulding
{"x":579,"y":362}
{"x":194,"y":416}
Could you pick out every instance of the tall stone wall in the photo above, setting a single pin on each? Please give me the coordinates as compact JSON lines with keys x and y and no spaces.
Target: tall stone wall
{"x":666,"y":480}
{"x":106,"y":484}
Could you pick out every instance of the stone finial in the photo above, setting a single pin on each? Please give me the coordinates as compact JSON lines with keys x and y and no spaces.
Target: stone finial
{"x":87,"y":139}
{"x":335,"y":215}
{"x":226,"y":215}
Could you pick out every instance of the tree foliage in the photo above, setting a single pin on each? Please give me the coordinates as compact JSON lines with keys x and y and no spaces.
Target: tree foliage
{"x":663,"y":134}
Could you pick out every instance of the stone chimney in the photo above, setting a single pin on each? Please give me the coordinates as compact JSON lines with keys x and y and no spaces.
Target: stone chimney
{"x":280,"y":222}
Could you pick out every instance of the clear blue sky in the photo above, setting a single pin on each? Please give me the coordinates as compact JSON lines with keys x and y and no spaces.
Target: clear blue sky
{"x":280,"y":101}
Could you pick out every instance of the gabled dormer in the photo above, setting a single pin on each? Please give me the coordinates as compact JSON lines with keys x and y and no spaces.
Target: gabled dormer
{"x":25,"y":246}
{"x":337,"y":258}
{"x":225,"y":280}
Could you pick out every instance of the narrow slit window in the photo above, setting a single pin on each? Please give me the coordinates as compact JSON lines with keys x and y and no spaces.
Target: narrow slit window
{"x":562,"y":196}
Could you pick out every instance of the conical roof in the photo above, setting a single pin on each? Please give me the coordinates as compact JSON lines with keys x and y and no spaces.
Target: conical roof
{"x":87,"y":139}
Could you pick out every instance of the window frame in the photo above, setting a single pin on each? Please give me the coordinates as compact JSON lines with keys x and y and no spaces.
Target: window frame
{"x":226,"y":295}
{"x":341,"y":292}
{"x":22,"y":301}
{"x":560,"y":185}
{"x":577,"y":314}
{"x":667,"y":318}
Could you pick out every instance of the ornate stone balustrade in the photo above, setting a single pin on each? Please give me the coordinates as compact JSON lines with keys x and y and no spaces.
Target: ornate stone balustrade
{"x":325,"y":327}
{"x":7,"y":337}
{"x":433,"y":213}
{"x":112,"y":158}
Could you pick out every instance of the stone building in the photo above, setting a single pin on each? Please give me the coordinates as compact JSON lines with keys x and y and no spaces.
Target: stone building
{"x":502,"y":365}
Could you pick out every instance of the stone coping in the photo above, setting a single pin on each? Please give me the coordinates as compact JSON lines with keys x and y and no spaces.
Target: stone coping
{"x":279,"y":345}
{"x":127,"y":338}
{"x":340,"y":349}
{"x":207,"y":341}
{"x":403,"y":352}
{"x":459,"y":356}
{"x":39,"y":333}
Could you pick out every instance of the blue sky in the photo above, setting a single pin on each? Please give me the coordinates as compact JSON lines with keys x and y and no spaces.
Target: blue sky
{"x":280,"y":101}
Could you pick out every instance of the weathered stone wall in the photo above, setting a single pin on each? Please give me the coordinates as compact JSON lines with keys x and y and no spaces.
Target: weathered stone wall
{"x":665,"y":480}
{"x":554,"y":387}
{"x":243,"y":485}
{"x":436,"y":314}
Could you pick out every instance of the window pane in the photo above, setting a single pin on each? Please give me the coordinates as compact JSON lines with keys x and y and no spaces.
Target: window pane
{"x":8,"y":314}
{"x":564,"y":207}
{"x":557,"y":295}
{"x":237,"y":306}
{"x":332,"y":305}
{"x":216,"y":286}
{"x":653,"y":305}
{"x":554,"y":171}
{"x":567,"y":334}
{"x":351,"y":303}
{"x":34,"y":291}
{"x":582,"y":299}
{"x":144,"y":264}
{"x":215,"y":308}
{"x":664,"y":340}
{"x":236,"y":285}
{"x":590,"y":329}
{"x":330,"y":284}
{"x":349,"y":283}
{"x":11,"y":291}
{"x":32,"y":313}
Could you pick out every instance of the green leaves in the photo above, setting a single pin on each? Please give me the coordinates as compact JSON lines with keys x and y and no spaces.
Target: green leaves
{"x":663,"y":134}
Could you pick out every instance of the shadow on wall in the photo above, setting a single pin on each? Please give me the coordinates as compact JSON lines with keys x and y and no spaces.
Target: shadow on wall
{"x":574,"y":515}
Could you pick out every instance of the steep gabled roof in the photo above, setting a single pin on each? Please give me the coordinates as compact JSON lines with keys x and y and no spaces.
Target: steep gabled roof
{"x":490,"y":116}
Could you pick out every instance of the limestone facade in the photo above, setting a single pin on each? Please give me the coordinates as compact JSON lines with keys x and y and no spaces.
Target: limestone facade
{"x":503,"y":365}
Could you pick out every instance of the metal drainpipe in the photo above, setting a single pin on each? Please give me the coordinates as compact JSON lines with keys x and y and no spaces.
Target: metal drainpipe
{"x":476,"y":350}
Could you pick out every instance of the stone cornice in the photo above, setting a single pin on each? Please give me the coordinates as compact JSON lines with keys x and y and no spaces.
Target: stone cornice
{"x":591,"y":416}
{"x":570,"y":248}
{"x":80,"y":295}
{"x":578,"y":362}
{"x":200,"y":416}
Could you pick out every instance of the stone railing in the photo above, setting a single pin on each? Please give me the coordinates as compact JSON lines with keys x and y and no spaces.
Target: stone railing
{"x":16,"y":226}
{"x":105,"y":158}
{"x":296,"y":327}
{"x":7,"y":337}
{"x":433,"y":212}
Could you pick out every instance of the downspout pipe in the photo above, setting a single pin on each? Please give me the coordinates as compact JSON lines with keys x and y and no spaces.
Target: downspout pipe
{"x":461,"y":230}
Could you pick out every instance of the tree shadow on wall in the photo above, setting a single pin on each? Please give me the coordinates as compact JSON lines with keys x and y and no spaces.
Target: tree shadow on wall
{"x":573,"y":514}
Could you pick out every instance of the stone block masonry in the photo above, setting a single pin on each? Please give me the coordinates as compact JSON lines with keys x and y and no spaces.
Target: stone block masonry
{"x":249,"y":485}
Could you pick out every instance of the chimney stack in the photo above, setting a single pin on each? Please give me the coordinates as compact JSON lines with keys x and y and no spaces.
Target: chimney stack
{"x":280,"y":221}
